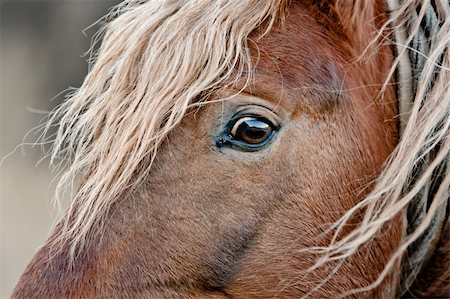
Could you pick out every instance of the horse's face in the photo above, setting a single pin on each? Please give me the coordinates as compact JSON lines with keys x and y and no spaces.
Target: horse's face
{"x":241,"y":187}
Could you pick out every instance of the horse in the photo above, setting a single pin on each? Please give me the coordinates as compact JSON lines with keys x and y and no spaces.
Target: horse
{"x":255,"y":149}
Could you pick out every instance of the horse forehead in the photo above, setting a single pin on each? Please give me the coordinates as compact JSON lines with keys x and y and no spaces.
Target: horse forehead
{"x":297,"y":54}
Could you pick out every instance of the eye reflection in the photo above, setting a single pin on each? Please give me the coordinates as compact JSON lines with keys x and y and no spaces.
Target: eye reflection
{"x":251,"y":130}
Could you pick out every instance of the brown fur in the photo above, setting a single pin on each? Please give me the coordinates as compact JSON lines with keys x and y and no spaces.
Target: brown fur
{"x":224,"y":224}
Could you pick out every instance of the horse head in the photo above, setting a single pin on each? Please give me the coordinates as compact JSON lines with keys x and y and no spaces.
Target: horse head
{"x":220,"y":146}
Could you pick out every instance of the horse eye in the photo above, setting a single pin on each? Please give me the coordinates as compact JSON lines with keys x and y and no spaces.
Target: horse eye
{"x":251,"y":130}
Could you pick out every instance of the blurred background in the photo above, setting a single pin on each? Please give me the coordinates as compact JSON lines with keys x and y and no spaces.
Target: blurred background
{"x":41,"y":54}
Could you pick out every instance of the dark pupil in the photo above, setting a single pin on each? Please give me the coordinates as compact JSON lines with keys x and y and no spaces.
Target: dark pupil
{"x":253,"y":131}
